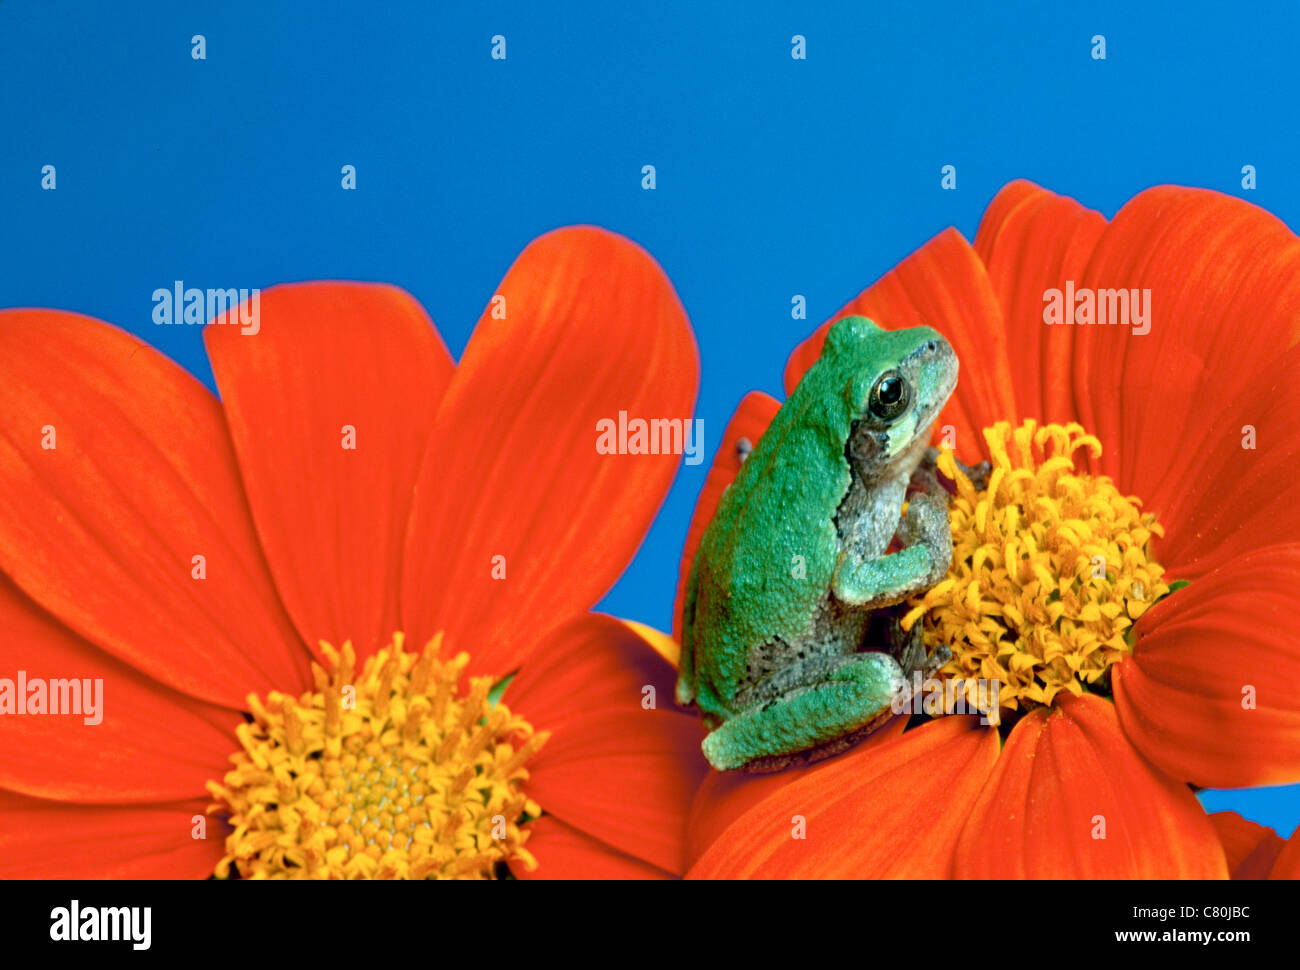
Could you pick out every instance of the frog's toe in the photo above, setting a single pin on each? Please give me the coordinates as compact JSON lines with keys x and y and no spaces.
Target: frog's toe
{"x":979,"y":475}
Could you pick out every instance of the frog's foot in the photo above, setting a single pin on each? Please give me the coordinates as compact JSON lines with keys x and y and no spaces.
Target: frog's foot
{"x":928,"y":478}
{"x":978,"y":474}
{"x":905,"y":646}
{"x":935,"y":662}
{"x":809,"y":711}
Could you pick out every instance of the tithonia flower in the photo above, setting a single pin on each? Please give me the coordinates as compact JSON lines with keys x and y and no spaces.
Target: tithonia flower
{"x":302,"y":601}
{"x":1128,"y":576}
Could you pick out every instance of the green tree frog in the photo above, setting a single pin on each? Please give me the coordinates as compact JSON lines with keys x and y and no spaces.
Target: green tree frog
{"x":790,"y":647}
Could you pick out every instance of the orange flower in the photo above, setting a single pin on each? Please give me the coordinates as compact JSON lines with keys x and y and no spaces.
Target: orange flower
{"x":1113,"y":707}
{"x":356,"y":487}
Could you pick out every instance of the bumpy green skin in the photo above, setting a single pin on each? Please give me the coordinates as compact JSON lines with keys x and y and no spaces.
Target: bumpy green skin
{"x":743,"y":591}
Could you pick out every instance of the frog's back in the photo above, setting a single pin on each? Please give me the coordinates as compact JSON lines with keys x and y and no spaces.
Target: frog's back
{"x":765,"y":562}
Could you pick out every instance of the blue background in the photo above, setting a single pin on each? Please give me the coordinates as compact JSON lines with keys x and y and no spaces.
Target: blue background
{"x":775,"y":176}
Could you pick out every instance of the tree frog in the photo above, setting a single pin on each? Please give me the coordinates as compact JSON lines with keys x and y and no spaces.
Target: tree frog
{"x":790,"y":647}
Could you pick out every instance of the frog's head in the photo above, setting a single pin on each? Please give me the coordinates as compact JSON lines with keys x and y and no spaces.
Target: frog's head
{"x":897,"y":383}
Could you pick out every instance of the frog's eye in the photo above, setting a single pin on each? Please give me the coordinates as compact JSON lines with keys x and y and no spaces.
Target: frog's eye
{"x":889,"y":396}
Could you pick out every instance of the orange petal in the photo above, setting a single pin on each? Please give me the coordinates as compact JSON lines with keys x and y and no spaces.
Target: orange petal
{"x":331,"y":357}
{"x":1071,"y":799}
{"x":1251,"y":849}
{"x":621,"y":764}
{"x":562,"y":852}
{"x":725,"y":796}
{"x":892,"y":810}
{"x":50,"y":840}
{"x":750,"y":421}
{"x":942,"y":285}
{"x":658,"y":641}
{"x":590,"y":661}
{"x":1170,"y":407}
{"x":151,"y":743}
{"x":1223,"y":500}
{"x":623,"y":775}
{"x":592,"y":328}
{"x":103,"y":528}
{"x":1288,"y":861}
{"x":1209,"y":694}
{"x":1030,"y":240}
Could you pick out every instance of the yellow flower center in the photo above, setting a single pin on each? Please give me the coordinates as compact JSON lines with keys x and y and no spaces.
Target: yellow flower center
{"x":1050,"y":569}
{"x":393,"y":774}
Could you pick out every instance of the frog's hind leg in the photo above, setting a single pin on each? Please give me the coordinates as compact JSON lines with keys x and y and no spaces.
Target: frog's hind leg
{"x":767,"y":764}
{"x":808,"y":711}
{"x":684,"y":692}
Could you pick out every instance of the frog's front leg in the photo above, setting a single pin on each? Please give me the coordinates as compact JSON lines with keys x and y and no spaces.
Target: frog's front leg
{"x":884,"y":580}
{"x":808,"y":711}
